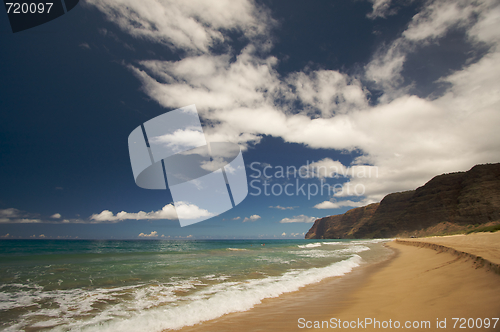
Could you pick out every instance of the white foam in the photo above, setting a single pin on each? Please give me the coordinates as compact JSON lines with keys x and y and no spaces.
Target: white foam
{"x":368,"y":241}
{"x":72,"y":304}
{"x":310,"y":245}
{"x":276,"y":260}
{"x":320,"y":253}
{"x":213,"y":277}
{"x":316,"y":253}
{"x":19,"y":299}
{"x":353,"y":249}
{"x":156,"y":307}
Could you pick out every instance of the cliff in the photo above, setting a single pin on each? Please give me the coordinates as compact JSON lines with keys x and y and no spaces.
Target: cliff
{"x":447,"y":203}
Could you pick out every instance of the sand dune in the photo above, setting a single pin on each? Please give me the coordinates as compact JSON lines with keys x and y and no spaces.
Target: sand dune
{"x":486,"y":245}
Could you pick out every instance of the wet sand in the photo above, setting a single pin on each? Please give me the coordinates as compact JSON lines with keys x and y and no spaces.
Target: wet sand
{"x":417,"y":285}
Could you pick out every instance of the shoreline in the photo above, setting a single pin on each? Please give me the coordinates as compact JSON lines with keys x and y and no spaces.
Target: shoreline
{"x":416,"y":284}
{"x":282,"y":313}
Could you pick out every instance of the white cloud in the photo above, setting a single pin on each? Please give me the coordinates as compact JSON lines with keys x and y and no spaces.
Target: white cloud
{"x":193,"y":26}
{"x":167,"y":212}
{"x":85,"y":46}
{"x":56,"y":216}
{"x":217,"y":163}
{"x":328,"y":92}
{"x":435,"y":19}
{"x":283,"y":234}
{"x":152,"y":234}
{"x":191,"y":211}
{"x":12,"y":215}
{"x":222,"y":90}
{"x":236,"y":218}
{"x":181,"y":139}
{"x":333,"y":204}
{"x":385,"y":69}
{"x":407,"y":138}
{"x":326,"y":168}
{"x":439,"y":17}
{"x":380,"y":9}
{"x":300,"y":218}
{"x":184,"y":210}
{"x":282,"y":207}
{"x":252,"y":218}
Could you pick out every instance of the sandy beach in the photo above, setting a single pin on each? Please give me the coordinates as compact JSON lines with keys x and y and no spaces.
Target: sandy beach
{"x":418,"y":287}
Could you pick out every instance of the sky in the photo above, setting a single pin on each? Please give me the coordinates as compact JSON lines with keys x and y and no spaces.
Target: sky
{"x":334,"y":104}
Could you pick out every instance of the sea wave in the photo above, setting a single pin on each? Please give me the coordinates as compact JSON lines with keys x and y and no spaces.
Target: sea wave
{"x":158,"y":307}
{"x":310,"y":245}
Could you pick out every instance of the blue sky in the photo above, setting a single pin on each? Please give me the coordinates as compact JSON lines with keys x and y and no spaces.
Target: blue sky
{"x":371,"y":97}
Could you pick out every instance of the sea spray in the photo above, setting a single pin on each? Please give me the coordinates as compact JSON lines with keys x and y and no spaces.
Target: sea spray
{"x":157,"y":285}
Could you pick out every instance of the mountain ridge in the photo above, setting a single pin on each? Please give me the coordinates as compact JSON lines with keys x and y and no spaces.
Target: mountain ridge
{"x":447,"y":203}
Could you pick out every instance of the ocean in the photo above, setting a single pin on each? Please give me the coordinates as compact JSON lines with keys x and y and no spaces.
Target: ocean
{"x":149,"y":285}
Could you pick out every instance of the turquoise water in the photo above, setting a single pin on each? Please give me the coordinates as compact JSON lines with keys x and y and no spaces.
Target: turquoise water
{"x":65,"y":285}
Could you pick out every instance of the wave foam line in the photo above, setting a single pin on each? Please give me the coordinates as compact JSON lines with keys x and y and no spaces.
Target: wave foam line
{"x":216,"y":301}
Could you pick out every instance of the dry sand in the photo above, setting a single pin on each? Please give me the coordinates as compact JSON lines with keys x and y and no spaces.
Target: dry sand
{"x":486,"y":245}
{"x":416,"y":285}
{"x":422,"y":284}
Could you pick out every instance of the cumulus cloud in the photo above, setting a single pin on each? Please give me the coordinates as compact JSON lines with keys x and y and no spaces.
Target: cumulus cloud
{"x":252,"y":218}
{"x":183,"y":209}
{"x":169,"y":212}
{"x":152,"y":234}
{"x":13,"y":215}
{"x":328,"y":92}
{"x":181,"y":139}
{"x":191,"y":211}
{"x":300,"y":218}
{"x":409,"y":139}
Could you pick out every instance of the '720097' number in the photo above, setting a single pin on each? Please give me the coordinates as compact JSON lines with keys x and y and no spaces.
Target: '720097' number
{"x":24,"y":8}
{"x":471,"y":323}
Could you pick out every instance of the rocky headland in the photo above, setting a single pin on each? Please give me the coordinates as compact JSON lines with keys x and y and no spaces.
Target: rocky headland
{"x":448,"y":203}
